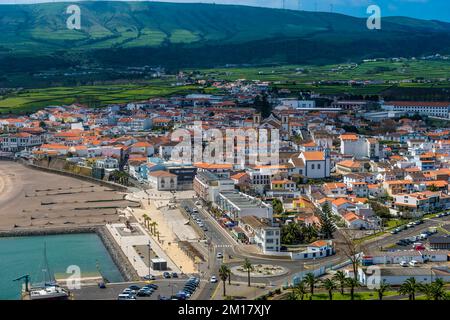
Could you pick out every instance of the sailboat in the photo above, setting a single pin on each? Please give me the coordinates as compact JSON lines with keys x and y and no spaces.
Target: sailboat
{"x":47,"y":288}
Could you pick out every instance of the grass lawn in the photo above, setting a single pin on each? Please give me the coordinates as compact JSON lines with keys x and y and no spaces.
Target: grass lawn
{"x":369,"y":295}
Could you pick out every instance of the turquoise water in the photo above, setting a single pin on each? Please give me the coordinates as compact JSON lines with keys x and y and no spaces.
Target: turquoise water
{"x":24,"y":255}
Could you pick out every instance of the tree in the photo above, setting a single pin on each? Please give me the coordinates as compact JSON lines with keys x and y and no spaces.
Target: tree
{"x":352,"y":283}
{"x":329,"y":285}
{"x":291,"y":233}
{"x":310,"y":280}
{"x":262,"y":105}
{"x":224,"y":272}
{"x":300,"y":290}
{"x":434,"y":290}
{"x":409,"y":288}
{"x":340,"y":277}
{"x":277,"y":206}
{"x":383,"y":287}
{"x":327,"y":227}
{"x":249,"y":268}
{"x":352,"y":251}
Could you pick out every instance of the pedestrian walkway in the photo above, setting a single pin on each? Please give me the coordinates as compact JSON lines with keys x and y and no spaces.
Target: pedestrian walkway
{"x":127,"y":241}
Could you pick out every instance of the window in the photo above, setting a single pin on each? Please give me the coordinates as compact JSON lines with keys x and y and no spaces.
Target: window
{"x":318,"y":166}
{"x":313,"y":166}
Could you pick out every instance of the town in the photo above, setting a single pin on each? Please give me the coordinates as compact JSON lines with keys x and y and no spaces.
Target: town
{"x":252,"y":193}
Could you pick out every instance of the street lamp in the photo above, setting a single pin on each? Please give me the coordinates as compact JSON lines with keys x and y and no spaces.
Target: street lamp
{"x":149,"y":259}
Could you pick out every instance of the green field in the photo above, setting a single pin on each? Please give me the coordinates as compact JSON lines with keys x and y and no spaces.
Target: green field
{"x":380,"y":70}
{"x":295,"y":78}
{"x":95,"y":96}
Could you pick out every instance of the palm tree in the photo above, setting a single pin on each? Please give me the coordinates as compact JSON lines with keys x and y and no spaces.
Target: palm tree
{"x":291,"y":296}
{"x":352,"y":283}
{"x":329,"y":285}
{"x":409,"y":287}
{"x":427,"y":290}
{"x":224,"y":271}
{"x":382,"y":289}
{"x":300,"y":289}
{"x":310,"y":279}
{"x":439,"y":292}
{"x":146,"y":220}
{"x":249,"y":268}
{"x":340,"y":278}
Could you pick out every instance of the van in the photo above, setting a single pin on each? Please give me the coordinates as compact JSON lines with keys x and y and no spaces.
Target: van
{"x":124,"y":296}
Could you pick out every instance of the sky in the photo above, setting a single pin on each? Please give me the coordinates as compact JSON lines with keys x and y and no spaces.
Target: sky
{"x":423,"y":9}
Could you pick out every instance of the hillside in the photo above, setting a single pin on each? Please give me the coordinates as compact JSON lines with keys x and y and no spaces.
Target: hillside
{"x":201,"y":35}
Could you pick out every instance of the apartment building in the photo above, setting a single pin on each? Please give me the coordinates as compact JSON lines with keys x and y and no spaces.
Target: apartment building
{"x":261,"y":232}
{"x":435,"y":109}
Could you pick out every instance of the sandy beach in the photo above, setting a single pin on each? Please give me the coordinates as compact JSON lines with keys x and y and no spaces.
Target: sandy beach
{"x":35,"y":199}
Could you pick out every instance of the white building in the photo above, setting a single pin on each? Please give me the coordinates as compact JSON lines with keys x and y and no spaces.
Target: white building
{"x":359,"y":147}
{"x":163,"y":180}
{"x":237,"y":205}
{"x":262,"y":233}
{"x":435,"y":109}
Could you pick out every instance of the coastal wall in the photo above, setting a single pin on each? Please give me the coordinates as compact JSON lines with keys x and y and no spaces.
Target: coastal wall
{"x":111,"y":185}
{"x":119,"y":259}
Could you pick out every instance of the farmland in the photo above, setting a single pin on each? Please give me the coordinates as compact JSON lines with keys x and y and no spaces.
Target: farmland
{"x":410,"y":79}
{"x":95,"y":96}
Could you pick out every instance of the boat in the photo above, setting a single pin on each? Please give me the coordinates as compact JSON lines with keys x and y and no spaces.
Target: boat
{"x":47,"y":289}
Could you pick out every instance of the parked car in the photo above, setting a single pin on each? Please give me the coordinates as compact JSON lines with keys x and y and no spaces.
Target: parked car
{"x":174,"y":275}
{"x":219,"y":255}
{"x":124,"y":296}
{"x":134,"y":287}
{"x":413,"y":263}
{"x":151,"y":285}
{"x":403,"y":264}
{"x":213,"y":279}
{"x":150,"y":277}
{"x":166,"y":275}
{"x":144,"y":293}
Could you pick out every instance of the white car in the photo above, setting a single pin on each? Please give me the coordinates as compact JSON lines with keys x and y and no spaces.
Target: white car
{"x":403,"y":264}
{"x":413,"y":263}
{"x":213,"y":279}
{"x":219,"y":255}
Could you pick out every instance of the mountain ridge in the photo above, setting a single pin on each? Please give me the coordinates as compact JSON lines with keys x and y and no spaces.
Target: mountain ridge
{"x":199,"y":34}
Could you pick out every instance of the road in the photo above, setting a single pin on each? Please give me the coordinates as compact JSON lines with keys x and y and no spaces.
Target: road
{"x":220,"y":241}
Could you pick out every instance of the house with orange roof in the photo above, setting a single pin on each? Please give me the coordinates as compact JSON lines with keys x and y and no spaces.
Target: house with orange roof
{"x":334,"y":189}
{"x":349,"y":166}
{"x":353,"y":221}
{"x":418,"y":203}
{"x":312,"y":164}
{"x":15,"y":142}
{"x":143,"y":148}
{"x":241,"y":178}
{"x":398,"y":186}
{"x":341,"y":204}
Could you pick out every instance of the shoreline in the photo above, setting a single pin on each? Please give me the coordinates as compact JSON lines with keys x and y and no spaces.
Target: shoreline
{"x":120,"y":261}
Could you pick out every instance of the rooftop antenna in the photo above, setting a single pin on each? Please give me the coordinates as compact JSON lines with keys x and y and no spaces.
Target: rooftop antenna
{"x":315,"y":6}
{"x":299,"y":5}
{"x":283,"y":3}
{"x":331,"y":7}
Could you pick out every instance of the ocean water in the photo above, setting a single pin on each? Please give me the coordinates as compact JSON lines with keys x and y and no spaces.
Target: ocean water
{"x":24,"y":255}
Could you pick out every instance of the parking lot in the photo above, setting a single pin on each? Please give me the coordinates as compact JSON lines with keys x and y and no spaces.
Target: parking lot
{"x":166,"y":289}
{"x":418,"y":232}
